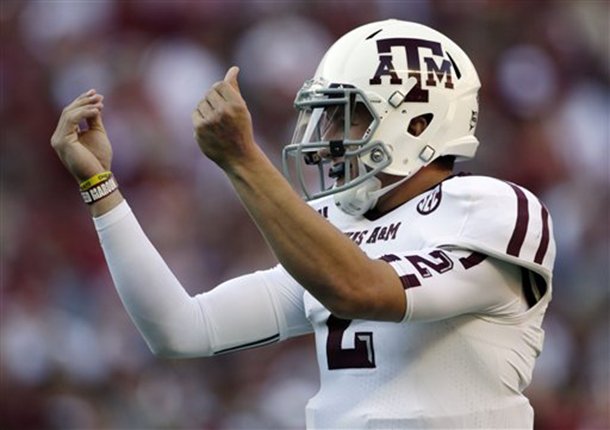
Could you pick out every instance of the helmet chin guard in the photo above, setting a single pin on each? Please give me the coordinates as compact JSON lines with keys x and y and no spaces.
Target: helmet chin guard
{"x":359,"y":199}
{"x":376,"y":80}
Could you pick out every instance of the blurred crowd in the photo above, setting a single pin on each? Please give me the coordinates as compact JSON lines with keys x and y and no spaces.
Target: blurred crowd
{"x":70,"y":357}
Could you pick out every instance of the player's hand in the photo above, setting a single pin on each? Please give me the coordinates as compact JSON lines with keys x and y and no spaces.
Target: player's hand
{"x":84,"y":152}
{"x":222,"y":123}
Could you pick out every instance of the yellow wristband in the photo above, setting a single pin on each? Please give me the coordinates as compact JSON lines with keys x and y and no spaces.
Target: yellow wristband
{"x":95,"y":180}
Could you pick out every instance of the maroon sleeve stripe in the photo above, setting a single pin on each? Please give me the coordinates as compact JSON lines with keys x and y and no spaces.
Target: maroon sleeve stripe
{"x":472,"y":260}
{"x":544,"y":240}
{"x":388,"y":258}
{"x":409,"y":281}
{"x":523,"y":216}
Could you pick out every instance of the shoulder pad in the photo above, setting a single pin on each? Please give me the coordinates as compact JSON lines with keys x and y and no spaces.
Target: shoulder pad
{"x":504,"y":220}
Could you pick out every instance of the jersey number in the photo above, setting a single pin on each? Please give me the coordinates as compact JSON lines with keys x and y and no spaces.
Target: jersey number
{"x":361,"y":356}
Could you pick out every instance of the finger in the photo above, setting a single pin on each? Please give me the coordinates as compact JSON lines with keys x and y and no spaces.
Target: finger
{"x":86,"y":94}
{"x":214,"y":98}
{"x":231,"y":78}
{"x":204,"y":108}
{"x":95,"y":122}
{"x":67,"y":128}
{"x":75,"y":116}
{"x":72,"y":114}
{"x":94,"y":99}
{"x":196,"y":118}
{"x":199,"y":123}
{"x":79,"y":113}
{"x":199,"y":128}
{"x":227,"y":92}
{"x":82,"y":99}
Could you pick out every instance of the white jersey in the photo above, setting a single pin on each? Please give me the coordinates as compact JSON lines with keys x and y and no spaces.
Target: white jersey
{"x":438,"y":370}
{"x":474,"y":255}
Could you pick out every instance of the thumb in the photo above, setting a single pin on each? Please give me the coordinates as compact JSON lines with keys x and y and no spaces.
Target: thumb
{"x":231,"y":78}
{"x":95,"y":123}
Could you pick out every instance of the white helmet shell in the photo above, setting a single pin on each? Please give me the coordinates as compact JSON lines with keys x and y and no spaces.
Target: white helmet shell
{"x":407,"y":70}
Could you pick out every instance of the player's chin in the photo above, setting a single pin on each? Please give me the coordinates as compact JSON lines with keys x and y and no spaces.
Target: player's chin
{"x":339,"y":182}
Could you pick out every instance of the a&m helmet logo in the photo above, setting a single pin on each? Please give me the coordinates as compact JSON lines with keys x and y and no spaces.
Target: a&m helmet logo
{"x":439,"y":67}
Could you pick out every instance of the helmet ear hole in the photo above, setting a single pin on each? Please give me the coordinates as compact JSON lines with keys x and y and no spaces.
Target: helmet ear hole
{"x":419,"y":124}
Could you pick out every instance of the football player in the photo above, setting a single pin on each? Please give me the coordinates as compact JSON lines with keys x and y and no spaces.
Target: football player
{"x":425,"y":289}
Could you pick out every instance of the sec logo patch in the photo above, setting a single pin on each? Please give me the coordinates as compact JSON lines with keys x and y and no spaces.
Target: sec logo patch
{"x":430,"y":201}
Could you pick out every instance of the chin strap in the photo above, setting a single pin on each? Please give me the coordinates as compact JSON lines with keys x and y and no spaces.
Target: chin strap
{"x":360,"y":199}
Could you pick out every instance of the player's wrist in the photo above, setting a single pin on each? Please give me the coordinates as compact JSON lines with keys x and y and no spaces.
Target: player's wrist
{"x":105,"y":205}
{"x":251,"y":162}
{"x":98,"y":187}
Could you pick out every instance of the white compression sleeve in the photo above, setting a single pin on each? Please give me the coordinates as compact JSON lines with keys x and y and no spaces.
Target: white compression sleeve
{"x":239,"y":313}
{"x":254,"y":310}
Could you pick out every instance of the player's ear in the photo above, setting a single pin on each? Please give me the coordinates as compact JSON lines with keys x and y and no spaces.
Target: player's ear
{"x":419,"y":124}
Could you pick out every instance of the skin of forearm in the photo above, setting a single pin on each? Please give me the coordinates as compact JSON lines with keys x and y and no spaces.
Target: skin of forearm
{"x":327,"y":263}
{"x":108,"y":203}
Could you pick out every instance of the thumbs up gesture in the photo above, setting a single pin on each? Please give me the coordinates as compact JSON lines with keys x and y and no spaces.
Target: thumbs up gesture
{"x":222,"y":123}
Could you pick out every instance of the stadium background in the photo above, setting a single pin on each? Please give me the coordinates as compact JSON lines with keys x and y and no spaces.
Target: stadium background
{"x":70,"y":357}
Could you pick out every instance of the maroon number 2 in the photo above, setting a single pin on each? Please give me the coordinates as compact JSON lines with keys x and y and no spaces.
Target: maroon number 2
{"x":361,"y":356}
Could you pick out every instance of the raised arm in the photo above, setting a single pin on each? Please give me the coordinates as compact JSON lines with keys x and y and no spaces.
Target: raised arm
{"x":244,"y":312}
{"x":320,"y":257}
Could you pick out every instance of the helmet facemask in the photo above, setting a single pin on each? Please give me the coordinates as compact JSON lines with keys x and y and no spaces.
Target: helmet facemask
{"x":333,"y":134}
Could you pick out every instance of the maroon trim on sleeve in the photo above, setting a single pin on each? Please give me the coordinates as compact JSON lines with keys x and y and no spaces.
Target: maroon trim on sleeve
{"x":544,"y":240}
{"x":388,"y":258}
{"x":472,"y":260}
{"x":409,"y":281}
{"x":518,"y":236}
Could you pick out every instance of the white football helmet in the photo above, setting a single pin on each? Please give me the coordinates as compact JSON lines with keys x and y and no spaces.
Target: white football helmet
{"x":397,"y":71}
